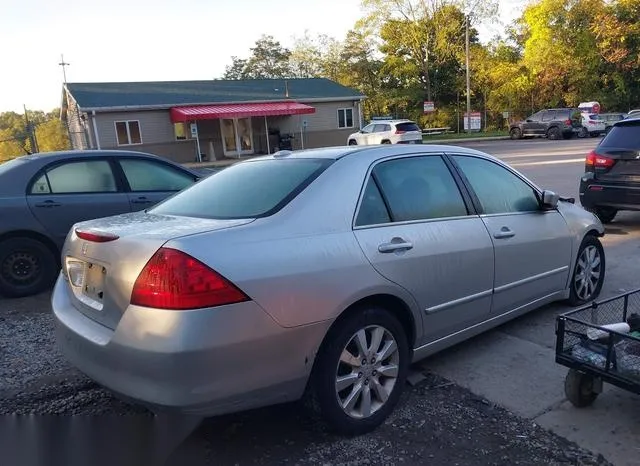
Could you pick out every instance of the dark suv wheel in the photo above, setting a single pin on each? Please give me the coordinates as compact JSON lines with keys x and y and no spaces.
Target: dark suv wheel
{"x":515,"y":133}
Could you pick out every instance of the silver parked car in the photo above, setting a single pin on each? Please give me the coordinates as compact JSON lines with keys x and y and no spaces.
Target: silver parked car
{"x":320,"y":274}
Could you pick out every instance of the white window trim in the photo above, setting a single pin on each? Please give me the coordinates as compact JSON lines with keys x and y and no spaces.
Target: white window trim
{"x":344,"y":109}
{"x":127,"y":122}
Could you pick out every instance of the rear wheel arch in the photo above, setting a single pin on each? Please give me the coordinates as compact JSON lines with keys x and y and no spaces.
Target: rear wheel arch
{"x":389,"y":302}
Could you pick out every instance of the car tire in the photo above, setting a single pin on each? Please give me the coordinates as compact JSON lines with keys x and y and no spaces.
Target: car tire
{"x":590,"y":264}
{"x":339,"y":386}
{"x":27,"y":267}
{"x":386,"y":141}
{"x":579,"y":389}
{"x":352,"y":142}
{"x":515,"y":133}
{"x":605,"y":214}
{"x":554,"y":133}
{"x":583,"y":133}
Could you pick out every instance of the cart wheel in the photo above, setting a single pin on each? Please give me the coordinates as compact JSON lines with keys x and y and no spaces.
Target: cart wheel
{"x":580,"y":389}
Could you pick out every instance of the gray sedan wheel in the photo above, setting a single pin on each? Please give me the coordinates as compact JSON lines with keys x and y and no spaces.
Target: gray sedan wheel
{"x":589,"y":272}
{"x":360,"y":371}
{"x":27,"y":267}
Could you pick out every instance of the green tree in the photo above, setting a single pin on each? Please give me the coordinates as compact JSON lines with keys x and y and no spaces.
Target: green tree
{"x":268,"y":59}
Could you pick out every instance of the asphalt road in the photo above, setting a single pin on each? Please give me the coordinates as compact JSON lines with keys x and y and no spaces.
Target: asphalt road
{"x":491,"y":400}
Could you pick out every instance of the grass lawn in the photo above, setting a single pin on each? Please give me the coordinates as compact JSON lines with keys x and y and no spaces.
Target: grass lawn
{"x":462,"y":135}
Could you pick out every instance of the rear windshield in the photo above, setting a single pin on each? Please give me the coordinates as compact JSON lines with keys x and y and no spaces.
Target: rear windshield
{"x":623,"y":137}
{"x":246,"y":190}
{"x":407,"y":127}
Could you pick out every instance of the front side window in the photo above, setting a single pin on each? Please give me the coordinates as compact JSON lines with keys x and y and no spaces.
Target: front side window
{"x":415,"y":188}
{"x":345,"y":118}
{"x":246,"y":190}
{"x":128,"y":132}
{"x":535,"y":117}
{"x":499,"y":190}
{"x":144,"y":175}
{"x":94,"y":176}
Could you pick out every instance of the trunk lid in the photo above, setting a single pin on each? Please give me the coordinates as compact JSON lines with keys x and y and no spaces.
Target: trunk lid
{"x":101,"y":275}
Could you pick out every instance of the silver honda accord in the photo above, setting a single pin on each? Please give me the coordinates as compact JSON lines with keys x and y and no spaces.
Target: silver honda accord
{"x":317,"y":275}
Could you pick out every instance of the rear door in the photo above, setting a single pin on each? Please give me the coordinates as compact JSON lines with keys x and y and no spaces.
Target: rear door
{"x":532,"y":246}
{"x":417,"y":230}
{"x":532,"y":126}
{"x":73,"y":191}
{"x":622,"y":145}
{"x":151,"y":181}
{"x":547,"y":117}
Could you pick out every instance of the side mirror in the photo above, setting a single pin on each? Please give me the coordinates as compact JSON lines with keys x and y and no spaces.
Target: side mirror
{"x":549,"y":200}
{"x":529,"y":121}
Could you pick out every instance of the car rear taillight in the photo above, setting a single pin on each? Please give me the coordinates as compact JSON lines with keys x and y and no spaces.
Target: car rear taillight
{"x":173,"y":279}
{"x":568,"y":122}
{"x":596,"y":160}
{"x":96,"y":236}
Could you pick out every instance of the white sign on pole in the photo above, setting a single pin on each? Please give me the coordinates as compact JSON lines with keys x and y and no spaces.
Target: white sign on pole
{"x":428,"y":107}
{"x":194,"y":130}
{"x":305,"y":123}
{"x":476,"y":121}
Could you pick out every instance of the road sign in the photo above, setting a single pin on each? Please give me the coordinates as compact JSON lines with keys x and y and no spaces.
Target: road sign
{"x":476,"y":120}
{"x":194,"y":130}
{"x":428,"y":107}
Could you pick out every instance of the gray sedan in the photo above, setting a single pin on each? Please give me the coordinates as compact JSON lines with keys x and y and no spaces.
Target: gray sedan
{"x":318,"y":274}
{"x":43,"y":195}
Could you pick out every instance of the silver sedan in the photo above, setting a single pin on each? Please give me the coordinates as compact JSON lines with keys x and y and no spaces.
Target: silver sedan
{"x":319,"y":274}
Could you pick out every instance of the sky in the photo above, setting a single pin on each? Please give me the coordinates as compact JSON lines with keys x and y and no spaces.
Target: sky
{"x":153,"y":40}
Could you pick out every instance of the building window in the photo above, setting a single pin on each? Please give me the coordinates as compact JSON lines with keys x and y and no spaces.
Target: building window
{"x":180,"y":130}
{"x":128,"y":132}
{"x":345,"y":118}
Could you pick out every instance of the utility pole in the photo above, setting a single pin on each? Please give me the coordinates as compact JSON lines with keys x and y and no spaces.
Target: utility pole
{"x":31,"y":132}
{"x":64,"y":64}
{"x":466,"y":34}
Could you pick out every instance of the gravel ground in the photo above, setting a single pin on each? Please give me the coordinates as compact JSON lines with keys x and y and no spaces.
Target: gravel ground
{"x":436,"y":423}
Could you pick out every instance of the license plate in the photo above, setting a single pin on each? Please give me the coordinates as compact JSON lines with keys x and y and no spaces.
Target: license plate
{"x":94,"y":282}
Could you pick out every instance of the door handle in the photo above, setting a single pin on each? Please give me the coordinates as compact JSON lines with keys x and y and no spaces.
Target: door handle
{"x":48,"y":204}
{"x":141,"y":200}
{"x":504,"y":232}
{"x":396,"y":244}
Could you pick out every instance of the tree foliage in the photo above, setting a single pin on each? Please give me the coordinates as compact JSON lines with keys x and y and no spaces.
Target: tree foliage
{"x":48,"y":131}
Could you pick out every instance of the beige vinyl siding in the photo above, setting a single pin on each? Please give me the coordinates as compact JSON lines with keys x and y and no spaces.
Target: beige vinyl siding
{"x":155,"y":127}
{"x":326,"y":116}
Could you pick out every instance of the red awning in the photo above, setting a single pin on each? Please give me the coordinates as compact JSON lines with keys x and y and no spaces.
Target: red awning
{"x":209,"y":112}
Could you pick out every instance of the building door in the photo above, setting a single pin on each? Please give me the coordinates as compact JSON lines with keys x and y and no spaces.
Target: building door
{"x":237,"y":136}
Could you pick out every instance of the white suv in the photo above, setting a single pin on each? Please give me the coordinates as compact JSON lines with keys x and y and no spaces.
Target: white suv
{"x":387,"y":132}
{"x":592,"y":125}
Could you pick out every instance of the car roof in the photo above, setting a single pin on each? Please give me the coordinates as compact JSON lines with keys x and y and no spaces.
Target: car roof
{"x":52,"y":156}
{"x":401,"y":120}
{"x":631,"y":120}
{"x":374,"y":152}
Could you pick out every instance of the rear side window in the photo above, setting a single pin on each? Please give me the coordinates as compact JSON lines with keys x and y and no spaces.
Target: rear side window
{"x":623,"y":137}
{"x":407,"y":127}
{"x":247,"y":190}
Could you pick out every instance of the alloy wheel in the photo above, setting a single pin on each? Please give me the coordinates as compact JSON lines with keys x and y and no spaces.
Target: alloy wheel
{"x":588,"y":273}
{"x":367,"y":371}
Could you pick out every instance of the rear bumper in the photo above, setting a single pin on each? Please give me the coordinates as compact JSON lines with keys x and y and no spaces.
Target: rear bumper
{"x":594,"y":194}
{"x":205,"y":362}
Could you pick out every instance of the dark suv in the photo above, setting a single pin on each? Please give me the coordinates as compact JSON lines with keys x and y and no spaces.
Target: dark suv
{"x":553,"y":123}
{"x":611,"y":181}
